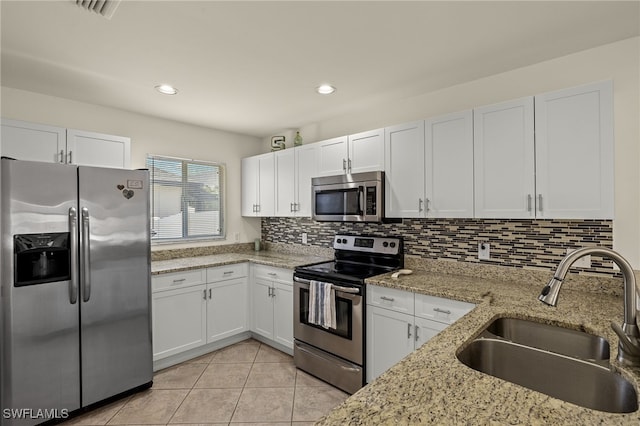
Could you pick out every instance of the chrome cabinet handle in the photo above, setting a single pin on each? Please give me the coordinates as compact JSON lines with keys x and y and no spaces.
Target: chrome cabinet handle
{"x":442,"y":311}
{"x":416,"y":328}
{"x":426,"y":205}
{"x":529,"y":199}
{"x":344,"y":164}
{"x":70,"y":157}
{"x":86,"y":255}
{"x":61,"y":156}
{"x":349,"y":165}
{"x":291,"y":207}
{"x":204,"y":294}
{"x":180,"y":280}
{"x":270,"y":294}
{"x":272,"y":274}
{"x":388,"y":299}
{"x":408,"y":331}
{"x":227,"y":273}
{"x":419,"y":205}
{"x":209,"y":293}
{"x":540,"y":202}
{"x":73,"y":231}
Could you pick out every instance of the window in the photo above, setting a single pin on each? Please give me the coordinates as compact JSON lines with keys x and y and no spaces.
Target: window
{"x":186,"y":199}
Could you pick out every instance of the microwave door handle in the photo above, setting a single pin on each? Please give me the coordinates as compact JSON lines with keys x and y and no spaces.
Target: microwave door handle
{"x":360,"y":200}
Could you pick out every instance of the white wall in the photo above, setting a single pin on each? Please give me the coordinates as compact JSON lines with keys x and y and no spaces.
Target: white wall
{"x":618,"y":61}
{"x":148,"y":135}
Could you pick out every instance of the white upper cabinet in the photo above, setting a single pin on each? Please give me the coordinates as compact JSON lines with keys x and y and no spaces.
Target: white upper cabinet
{"x":366,"y":152}
{"x":404,"y":170}
{"x":449,"y":165}
{"x":258,"y":185}
{"x":504,"y":160}
{"x":285,"y":165}
{"x":574,"y":153}
{"x":294,"y":169}
{"x":34,"y":142}
{"x":306,"y":157}
{"x":96,"y":149}
{"x":37,"y":142}
{"x":332,"y":156}
{"x":362,"y":152}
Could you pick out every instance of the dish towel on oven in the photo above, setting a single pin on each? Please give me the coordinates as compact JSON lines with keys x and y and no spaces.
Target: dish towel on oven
{"x":322,"y":304}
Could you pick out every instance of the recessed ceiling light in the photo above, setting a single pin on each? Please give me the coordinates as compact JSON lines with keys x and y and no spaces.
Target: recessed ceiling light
{"x":166,"y":89}
{"x":325,"y":89}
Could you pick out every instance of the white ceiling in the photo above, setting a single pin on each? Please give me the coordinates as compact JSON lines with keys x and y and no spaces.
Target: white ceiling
{"x":251,"y":67}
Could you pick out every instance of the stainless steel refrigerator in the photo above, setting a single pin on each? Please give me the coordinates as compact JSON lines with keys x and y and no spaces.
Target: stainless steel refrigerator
{"x":75,"y":290}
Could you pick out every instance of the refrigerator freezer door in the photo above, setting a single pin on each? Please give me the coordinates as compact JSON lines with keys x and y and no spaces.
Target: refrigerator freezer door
{"x":40,"y":337}
{"x":115,"y":287}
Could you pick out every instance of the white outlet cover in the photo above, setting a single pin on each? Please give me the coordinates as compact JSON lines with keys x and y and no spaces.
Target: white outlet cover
{"x":484,"y":251}
{"x":304,"y":238}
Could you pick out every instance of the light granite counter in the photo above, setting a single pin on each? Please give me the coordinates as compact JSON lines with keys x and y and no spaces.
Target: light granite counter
{"x":430,"y":386}
{"x":270,"y":258}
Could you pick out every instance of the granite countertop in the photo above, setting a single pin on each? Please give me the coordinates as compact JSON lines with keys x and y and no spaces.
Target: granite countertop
{"x":430,"y":386}
{"x":277,"y":259}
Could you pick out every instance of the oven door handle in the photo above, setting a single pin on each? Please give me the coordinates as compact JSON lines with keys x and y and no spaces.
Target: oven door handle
{"x":350,"y":290}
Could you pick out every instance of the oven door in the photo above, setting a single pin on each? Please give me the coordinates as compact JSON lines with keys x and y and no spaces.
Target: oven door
{"x":346,"y":340}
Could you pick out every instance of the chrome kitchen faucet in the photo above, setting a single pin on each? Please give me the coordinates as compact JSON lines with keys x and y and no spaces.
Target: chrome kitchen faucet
{"x":629,"y":334}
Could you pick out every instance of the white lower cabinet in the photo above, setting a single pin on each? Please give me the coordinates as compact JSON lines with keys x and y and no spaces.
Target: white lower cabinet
{"x":179,"y":320}
{"x":193,"y":308}
{"x":272,"y":304}
{"x":398,"y":322}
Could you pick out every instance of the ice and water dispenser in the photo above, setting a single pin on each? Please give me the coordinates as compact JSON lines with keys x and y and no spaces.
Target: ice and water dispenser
{"x":41,"y":258}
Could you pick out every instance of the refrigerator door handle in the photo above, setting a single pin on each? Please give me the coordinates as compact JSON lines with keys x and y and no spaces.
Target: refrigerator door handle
{"x":86,"y":257}
{"x":73,"y":230}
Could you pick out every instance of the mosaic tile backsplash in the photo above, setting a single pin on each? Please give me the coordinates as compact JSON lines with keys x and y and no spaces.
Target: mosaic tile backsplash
{"x":539,"y":244}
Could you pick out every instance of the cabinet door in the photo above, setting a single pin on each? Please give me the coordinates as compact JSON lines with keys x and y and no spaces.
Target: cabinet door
{"x":226,"y":308}
{"x":179,"y":320}
{"x":449,"y":165}
{"x":389,"y":339}
{"x":249,"y":176}
{"x":32,"y":142}
{"x":284,"y":163}
{"x":283,"y":314}
{"x":366,"y":151}
{"x":504,"y":160}
{"x":425,"y":329}
{"x":262,"y":307}
{"x":96,"y":149}
{"x":574,"y":153}
{"x":266,"y":185}
{"x":404,"y":170}
{"x":306,"y":168}
{"x":332,"y":156}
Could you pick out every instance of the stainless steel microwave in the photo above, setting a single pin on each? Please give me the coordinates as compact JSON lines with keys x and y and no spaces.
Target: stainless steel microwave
{"x":355,"y":197}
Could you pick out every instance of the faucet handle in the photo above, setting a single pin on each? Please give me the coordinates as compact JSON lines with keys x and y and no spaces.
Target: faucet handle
{"x":629,"y":345}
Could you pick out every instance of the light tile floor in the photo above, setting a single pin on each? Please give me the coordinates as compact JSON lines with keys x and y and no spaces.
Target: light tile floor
{"x":248,"y":382}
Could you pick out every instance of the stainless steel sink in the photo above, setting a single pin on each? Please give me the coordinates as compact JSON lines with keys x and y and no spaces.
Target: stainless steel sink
{"x":560,"y":340}
{"x":562,"y":363}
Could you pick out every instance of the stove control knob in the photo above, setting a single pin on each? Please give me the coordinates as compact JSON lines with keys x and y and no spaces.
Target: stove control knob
{"x":339,"y":240}
{"x":392,"y":245}
{"x":385,"y":244}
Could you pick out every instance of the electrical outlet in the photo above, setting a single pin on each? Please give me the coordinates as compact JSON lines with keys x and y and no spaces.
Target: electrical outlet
{"x":484,"y":252}
{"x":236,"y":236}
{"x":304,"y":238}
{"x":583,"y":262}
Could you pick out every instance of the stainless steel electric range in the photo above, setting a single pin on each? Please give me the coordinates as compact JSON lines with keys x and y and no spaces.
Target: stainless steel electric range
{"x":337,"y":355}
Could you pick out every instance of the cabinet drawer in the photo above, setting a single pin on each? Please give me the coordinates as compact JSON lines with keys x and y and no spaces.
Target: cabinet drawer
{"x":390,"y":298}
{"x":178,"y":279}
{"x":442,"y":310}
{"x":273,"y":274}
{"x":227,"y":272}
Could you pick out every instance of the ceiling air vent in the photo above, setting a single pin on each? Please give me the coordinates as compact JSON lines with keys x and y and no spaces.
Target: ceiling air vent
{"x":105,"y":8}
